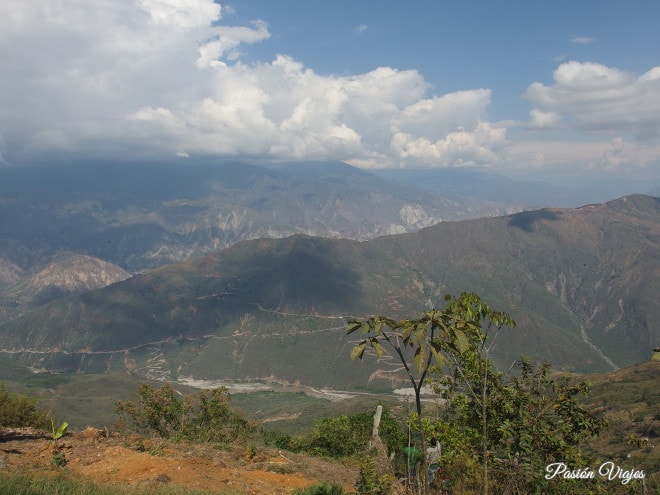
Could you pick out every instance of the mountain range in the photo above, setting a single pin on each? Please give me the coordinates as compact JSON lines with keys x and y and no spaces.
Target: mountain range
{"x":141,"y":216}
{"x":582,"y":284}
{"x":117,"y":219}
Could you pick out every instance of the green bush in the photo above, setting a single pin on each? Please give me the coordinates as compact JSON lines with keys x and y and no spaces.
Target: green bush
{"x":58,"y":460}
{"x":323,"y":489}
{"x":278,"y":439}
{"x":204,"y":416}
{"x":20,"y":411}
{"x":346,"y":435}
{"x":370,"y":482}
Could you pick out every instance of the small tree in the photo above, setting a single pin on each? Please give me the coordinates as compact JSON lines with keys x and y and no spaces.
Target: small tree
{"x":533,"y":420}
{"x":435,"y":337}
{"x":472,"y":367}
{"x":541,"y":421}
{"x":204,"y":416}
{"x":18,"y":410}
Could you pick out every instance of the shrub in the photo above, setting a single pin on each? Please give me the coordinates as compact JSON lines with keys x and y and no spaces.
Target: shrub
{"x":58,"y":459}
{"x":204,"y":416}
{"x":346,"y":435}
{"x":323,"y":489}
{"x":278,"y":439}
{"x":19,"y":411}
{"x":370,"y":482}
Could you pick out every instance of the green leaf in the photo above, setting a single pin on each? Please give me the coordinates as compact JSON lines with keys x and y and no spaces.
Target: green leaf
{"x":462,"y":342}
{"x":358,"y":351}
{"x":366,"y":327}
{"x":419,"y":334}
{"x":420,"y":359}
{"x":407,"y":330}
{"x":440,"y":360}
{"x":60,"y":431}
{"x":353,"y":326}
{"x":378,"y":347}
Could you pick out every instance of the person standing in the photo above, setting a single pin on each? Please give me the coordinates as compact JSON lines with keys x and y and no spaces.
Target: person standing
{"x":433,"y":453}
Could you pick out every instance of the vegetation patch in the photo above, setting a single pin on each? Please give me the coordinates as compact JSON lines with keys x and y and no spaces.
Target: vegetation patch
{"x":23,"y":484}
{"x":204,"y":416}
{"x":19,"y":410}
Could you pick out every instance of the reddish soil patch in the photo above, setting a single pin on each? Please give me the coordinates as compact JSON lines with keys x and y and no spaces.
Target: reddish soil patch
{"x":137,"y":461}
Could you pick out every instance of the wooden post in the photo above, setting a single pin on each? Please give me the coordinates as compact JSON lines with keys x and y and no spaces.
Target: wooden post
{"x":379,"y":412}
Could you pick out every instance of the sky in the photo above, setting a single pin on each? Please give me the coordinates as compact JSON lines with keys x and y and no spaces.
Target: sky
{"x":518,"y":86}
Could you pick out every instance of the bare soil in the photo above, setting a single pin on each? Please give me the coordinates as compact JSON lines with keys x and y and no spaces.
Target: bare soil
{"x":136,"y":461}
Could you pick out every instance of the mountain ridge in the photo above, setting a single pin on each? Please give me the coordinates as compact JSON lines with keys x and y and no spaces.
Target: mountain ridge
{"x":139,"y":217}
{"x":581,"y":283}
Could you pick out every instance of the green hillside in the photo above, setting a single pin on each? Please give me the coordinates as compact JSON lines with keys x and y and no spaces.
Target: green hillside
{"x":582,"y":285}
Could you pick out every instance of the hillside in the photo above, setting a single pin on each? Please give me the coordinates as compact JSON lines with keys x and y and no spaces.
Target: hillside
{"x":581,"y":283}
{"x":143,"y":216}
{"x":626,"y":397}
{"x":62,"y":275}
{"x":139,"y":217}
{"x":142,"y":464}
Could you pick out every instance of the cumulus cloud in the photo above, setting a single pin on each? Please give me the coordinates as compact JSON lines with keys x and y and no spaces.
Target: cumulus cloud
{"x":165,"y":78}
{"x":619,"y":110}
{"x":543,"y":120}
{"x":226,"y":41}
{"x":598,"y":98}
{"x":182,"y":15}
{"x":462,"y":147}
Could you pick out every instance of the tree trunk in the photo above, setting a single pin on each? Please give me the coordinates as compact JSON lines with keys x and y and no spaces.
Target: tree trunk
{"x":484,"y":429}
{"x":423,"y":471}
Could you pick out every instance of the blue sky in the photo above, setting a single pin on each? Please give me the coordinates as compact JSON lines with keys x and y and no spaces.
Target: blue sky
{"x":461,"y":44}
{"x":526,"y":87}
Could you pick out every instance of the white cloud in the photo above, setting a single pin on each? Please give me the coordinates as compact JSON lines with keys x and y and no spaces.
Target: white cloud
{"x":598,"y":98}
{"x":543,"y":120}
{"x":620,"y":111}
{"x":225,"y":42}
{"x":165,"y":78}
{"x":615,"y":155}
{"x":458,"y":148}
{"x":582,"y":40}
{"x":182,"y":14}
{"x":436,"y":117}
{"x":149,"y":114}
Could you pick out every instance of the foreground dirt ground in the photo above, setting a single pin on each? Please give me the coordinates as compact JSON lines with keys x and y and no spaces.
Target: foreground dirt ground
{"x":135,"y":461}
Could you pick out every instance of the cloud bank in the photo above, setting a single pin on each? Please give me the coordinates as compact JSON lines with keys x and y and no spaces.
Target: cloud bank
{"x":166,"y":79}
{"x":600,"y":98}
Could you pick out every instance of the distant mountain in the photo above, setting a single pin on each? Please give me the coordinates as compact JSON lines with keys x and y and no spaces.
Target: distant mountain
{"x":65,"y":274}
{"x":521,"y":193}
{"x":143,"y":216}
{"x":655,"y":192}
{"x":581,"y":283}
{"x":139,"y":217}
